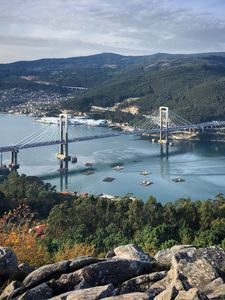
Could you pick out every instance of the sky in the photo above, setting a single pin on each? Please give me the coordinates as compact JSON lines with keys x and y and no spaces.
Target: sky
{"x":33,"y":29}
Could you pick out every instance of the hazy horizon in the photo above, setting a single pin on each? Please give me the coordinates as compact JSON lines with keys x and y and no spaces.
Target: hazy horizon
{"x":100,"y":53}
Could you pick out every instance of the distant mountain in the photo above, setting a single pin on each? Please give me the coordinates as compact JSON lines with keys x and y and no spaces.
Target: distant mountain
{"x":193,"y":85}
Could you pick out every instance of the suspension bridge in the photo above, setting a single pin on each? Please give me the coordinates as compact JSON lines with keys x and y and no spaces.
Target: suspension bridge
{"x":162,"y":122}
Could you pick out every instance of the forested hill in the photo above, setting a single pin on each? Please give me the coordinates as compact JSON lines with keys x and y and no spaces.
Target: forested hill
{"x":192,"y":85}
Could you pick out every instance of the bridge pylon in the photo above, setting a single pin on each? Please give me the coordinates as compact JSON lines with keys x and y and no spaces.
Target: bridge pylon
{"x":163,"y":123}
{"x":14,"y":160}
{"x":63,"y":154}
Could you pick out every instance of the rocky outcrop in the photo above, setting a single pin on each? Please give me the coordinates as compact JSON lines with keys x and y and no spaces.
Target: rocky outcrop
{"x":98,"y":292}
{"x":127,"y":273}
{"x":8,"y":263}
{"x":10,"y":289}
{"x":164,"y":257}
{"x":132,"y":251}
{"x":141,"y":283}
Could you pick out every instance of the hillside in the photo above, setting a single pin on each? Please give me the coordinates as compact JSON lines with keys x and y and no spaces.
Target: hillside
{"x":191,"y":85}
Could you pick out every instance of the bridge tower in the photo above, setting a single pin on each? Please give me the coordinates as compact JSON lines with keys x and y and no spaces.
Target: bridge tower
{"x":163,"y":123}
{"x":14,"y":160}
{"x":63,"y":154}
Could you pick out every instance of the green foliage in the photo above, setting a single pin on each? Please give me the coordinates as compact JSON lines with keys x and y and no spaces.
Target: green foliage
{"x":21,"y":189}
{"x":104,"y":223}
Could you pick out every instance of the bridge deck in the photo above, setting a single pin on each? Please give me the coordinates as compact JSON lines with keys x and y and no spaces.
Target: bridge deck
{"x":108,"y":135}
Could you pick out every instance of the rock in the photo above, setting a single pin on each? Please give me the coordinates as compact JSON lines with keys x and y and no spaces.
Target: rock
{"x":93,"y":293}
{"x":198,"y":271}
{"x":169,"y":294}
{"x":46,"y":273}
{"x":173,"y":278}
{"x":141,"y":283}
{"x":132,"y":251}
{"x":192,"y":294}
{"x":186,"y":272}
{"x":210,"y":288}
{"x":8,"y":263}
{"x":215,"y":256}
{"x":153,"y":292}
{"x":218,"y":293}
{"x":102,"y":273}
{"x":110,"y":254}
{"x":164,"y":257}
{"x":130,"y":296}
{"x":81,"y":262}
{"x":10,"y":289}
{"x":42,"y":291}
{"x":24,"y":270}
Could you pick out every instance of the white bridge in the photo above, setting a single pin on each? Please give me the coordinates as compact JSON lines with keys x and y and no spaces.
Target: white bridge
{"x":162,"y":122}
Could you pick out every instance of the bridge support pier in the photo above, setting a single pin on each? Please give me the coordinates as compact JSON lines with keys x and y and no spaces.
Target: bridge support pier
{"x":63,"y":154}
{"x":163,"y":123}
{"x":14,"y":160}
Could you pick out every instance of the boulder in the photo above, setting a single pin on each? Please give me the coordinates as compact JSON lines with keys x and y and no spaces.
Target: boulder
{"x":10,"y":289}
{"x":192,"y":294}
{"x":215,"y":256}
{"x":186,"y":272}
{"x":169,"y":294}
{"x":93,"y":293}
{"x":46,"y":273}
{"x":218,"y":293}
{"x":141,"y":283}
{"x":41,"y":275}
{"x":212,"y":286}
{"x":153,"y":292}
{"x":164,"y":257}
{"x":113,"y":271}
{"x":80,"y":262}
{"x":130,"y":296}
{"x":132,"y":251}
{"x":198,"y":271}
{"x":42,"y":291}
{"x":24,"y":270}
{"x":8,"y":263}
{"x":110,"y":254}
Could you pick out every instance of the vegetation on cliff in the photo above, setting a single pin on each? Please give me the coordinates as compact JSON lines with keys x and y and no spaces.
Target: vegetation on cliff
{"x":94,"y":225}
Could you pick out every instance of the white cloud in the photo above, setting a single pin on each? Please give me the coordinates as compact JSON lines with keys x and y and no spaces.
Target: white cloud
{"x":32,"y":29}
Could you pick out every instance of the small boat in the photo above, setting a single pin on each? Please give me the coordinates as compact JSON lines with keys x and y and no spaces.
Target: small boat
{"x":88,"y":164}
{"x":145,"y":173}
{"x":146,"y":183}
{"x":118,"y":168}
{"x":179,"y":179}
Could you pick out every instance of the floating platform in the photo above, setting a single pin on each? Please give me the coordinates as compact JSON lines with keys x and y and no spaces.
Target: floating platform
{"x":118,"y":168}
{"x":178,"y":179}
{"x":146,"y":183}
{"x":87,"y":173}
{"x":145,"y":173}
{"x":108,"y":179}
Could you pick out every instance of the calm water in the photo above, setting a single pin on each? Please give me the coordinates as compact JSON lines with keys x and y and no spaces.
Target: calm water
{"x":202,"y":165}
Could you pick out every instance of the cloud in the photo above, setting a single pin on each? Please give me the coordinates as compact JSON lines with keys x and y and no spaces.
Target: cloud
{"x":70,"y":27}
